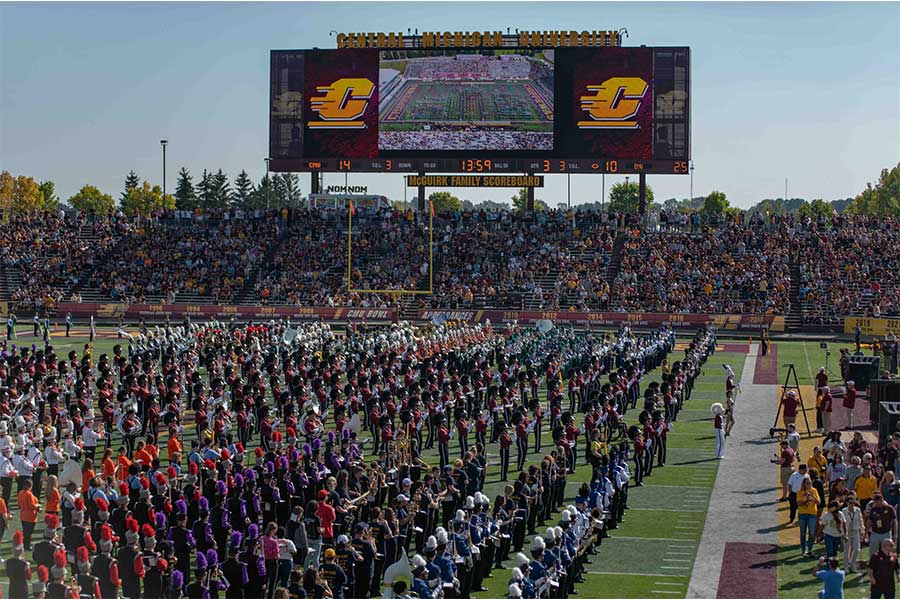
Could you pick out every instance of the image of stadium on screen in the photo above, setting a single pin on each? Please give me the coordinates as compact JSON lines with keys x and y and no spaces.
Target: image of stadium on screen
{"x":491,"y":100}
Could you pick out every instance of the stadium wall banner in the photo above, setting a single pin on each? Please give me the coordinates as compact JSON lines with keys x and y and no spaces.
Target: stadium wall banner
{"x":475,"y":181}
{"x":872,"y":326}
{"x":726,"y":322}
{"x":207,"y":311}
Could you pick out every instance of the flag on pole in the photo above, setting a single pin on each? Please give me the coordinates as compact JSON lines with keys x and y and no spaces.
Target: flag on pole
{"x":352,"y":212}
{"x":431,"y":205}
{"x":399,"y":571}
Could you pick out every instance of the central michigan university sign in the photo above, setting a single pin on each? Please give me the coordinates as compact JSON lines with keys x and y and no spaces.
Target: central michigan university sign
{"x":479,"y":39}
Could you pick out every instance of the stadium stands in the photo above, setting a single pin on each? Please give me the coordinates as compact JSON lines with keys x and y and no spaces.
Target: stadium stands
{"x":819,"y":271}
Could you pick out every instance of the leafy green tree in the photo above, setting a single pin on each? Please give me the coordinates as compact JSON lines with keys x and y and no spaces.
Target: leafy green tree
{"x":290,"y":189}
{"x":48,"y":193}
{"x":204,"y":190}
{"x":716,"y":203}
{"x":444,"y":202}
{"x":146,"y":199}
{"x":685,"y":205}
{"x":89,"y":199}
{"x":262,"y":195}
{"x":520,"y":202}
{"x":880,"y":200}
{"x":279,"y":192}
{"x":185,"y":197}
{"x":221,"y":190}
{"x":132,"y":181}
{"x":490,"y":206}
{"x":626,"y":197}
{"x":815,"y":209}
{"x":242,"y":190}
{"x":19,"y":194}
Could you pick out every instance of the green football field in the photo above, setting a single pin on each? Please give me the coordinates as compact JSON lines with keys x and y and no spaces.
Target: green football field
{"x":473,"y":102}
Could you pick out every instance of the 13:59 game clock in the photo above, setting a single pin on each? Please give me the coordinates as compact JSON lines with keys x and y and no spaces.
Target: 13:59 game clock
{"x":477,"y":165}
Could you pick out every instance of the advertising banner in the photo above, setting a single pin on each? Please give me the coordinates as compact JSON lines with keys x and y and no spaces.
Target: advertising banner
{"x":872,"y":326}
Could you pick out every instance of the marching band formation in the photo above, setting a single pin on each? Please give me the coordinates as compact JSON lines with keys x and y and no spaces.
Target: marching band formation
{"x":294,"y":466}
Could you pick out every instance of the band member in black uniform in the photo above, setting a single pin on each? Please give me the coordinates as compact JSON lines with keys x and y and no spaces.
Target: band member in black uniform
{"x":18,"y":569}
{"x":234,"y":570}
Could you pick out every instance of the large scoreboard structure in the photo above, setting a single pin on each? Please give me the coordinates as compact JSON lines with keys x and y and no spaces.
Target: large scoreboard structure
{"x":510,"y":109}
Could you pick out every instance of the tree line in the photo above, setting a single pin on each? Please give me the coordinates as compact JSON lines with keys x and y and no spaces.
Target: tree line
{"x":214,"y":190}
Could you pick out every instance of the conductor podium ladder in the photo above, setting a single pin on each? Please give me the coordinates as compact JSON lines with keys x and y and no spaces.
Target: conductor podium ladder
{"x":789,"y":387}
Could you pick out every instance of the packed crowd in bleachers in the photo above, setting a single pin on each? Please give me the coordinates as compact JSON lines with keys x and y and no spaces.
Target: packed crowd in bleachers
{"x":851,"y":269}
{"x":730,"y":270}
{"x":46,"y":253}
{"x":842,"y":266}
{"x":167,"y":261}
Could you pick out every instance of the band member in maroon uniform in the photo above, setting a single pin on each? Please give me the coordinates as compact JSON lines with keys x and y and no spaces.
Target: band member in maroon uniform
{"x":443,"y":436}
{"x":505,"y":443}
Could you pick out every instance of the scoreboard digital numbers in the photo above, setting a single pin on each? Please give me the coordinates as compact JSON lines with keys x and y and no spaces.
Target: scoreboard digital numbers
{"x":480,"y":111}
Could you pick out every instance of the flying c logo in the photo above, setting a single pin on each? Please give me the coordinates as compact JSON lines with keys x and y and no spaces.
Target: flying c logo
{"x":341,"y":104}
{"x":614,"y":103}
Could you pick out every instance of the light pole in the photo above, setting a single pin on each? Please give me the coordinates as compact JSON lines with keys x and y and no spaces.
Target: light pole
{"x":692,"y":182}
{"x":268,"y":183}
{"x":164,"y":143}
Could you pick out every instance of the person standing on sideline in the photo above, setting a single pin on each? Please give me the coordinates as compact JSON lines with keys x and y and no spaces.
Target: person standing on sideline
{"x":37,"y":325}
{"x":865,"y":486}
{"x":786,"y":464}
{"x":853,"y":520}
{"x":793,"y":438}
{"x":795,"y":482}
{"x":832,"y":577}
{"x":821,"y":379}
{"x":807,"y":515}
{"x":827,"y":408}
{"x":789,"y":404}
{"x":834,"y":528}
{"x":850,"y":401}
{"x":68,"y":324}
{"x":93,"y":329}
{"x":718,"y":426}
{"x":880,"y":521}
{"x":883,"y":571}
{"x":818,"y":461}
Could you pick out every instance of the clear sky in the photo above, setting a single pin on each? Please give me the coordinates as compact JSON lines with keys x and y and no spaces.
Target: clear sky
{"x":807,"y":91}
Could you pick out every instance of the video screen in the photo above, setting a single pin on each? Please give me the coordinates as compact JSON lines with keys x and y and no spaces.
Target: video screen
{"x":286,"y":104}
{"x":452,"y":100}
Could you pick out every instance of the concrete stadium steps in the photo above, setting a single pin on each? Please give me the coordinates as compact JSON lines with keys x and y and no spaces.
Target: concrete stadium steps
{"x":10,"y":280}
{"x":247,"y":294}
{"x":615,"y":260}
{"x":793,"y":320}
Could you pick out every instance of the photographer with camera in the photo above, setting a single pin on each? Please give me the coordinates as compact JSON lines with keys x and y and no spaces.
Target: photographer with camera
{"x":833,"y":578}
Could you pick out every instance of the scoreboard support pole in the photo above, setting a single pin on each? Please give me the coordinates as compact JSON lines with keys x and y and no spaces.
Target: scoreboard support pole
{"x":314,"y":182}
{"x":642,"y":193}
{"x":421,"y":202}
{"x":530,"y":196}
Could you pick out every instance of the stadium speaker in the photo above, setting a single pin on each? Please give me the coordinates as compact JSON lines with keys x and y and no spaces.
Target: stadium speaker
{"x":888,"y":416}
{"x":862,"y":370}
{"x":882,"y":390}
